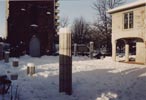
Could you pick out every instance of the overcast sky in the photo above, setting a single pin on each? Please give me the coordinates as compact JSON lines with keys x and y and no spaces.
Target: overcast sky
{"x":68,"y":8}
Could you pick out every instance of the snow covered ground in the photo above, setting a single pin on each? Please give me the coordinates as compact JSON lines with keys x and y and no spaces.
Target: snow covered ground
{"x":92,"y":79}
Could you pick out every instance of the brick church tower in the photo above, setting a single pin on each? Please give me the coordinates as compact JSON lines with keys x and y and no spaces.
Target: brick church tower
{"x":33,"y":17}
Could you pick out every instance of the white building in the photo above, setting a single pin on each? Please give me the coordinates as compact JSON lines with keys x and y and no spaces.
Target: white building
{"x":129,"y":22}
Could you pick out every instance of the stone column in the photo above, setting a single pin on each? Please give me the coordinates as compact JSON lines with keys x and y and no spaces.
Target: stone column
{"x":30,"y":69}
{"x":126,"y":52}
{"x":114,"y":50}
{"x":7,"y":56}
{"x":15,"y":63}
{"x":75,"y":49}
{"x":65,"y":61}
{"x":91,"y":49}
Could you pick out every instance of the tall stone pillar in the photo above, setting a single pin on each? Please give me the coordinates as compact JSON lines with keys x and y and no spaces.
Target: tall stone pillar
{"x":65,"y":61}
{"x":75,"y":49}
{"x":91,"y":49}
{"x":6,"y":56}
{"x":114,"y":50}
{"x":126,"y":52}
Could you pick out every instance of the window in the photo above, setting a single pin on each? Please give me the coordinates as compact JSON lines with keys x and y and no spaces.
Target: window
{"x":128,"y":20}
{"x":131,"y":20}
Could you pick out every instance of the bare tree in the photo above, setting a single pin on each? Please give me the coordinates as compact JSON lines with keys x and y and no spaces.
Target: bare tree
{"x":80,"y":31}
{"x":104,"y":23}
{"x":64,"y":22}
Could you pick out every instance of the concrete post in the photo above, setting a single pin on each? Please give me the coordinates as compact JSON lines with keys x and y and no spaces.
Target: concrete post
{"x":7,"y":56}
{"x":91,"y":49}
{"x":126,"y":52}
{"x":114,"y":51}
{"x":75,"y":49}
{"x":65,"y":61}
{"x":15,"y":63}
{"x":14,"y":76}
{"x":30,"y":69}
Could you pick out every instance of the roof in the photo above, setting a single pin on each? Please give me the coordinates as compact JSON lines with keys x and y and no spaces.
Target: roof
{"x":128,"y":6}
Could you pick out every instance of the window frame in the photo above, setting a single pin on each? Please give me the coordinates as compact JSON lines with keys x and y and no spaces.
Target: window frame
{"x":129,"y":21}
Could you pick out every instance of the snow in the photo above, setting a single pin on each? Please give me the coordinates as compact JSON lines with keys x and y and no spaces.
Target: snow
{"x":93,"y":79}
{"x":127,"y":6}
{"x":64,"y":30}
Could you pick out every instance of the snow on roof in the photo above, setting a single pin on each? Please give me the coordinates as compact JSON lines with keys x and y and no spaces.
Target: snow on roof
{"x":127,"y":6}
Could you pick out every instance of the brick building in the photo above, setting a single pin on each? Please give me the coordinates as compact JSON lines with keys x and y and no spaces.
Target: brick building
{"x":28,"y":18}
